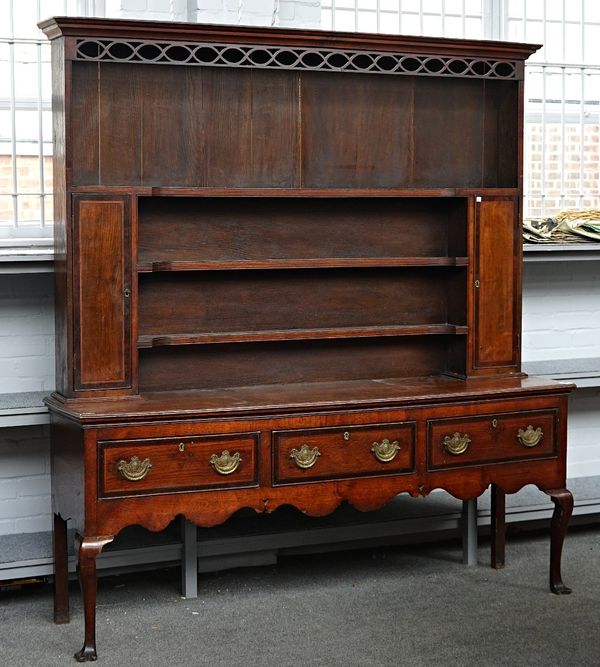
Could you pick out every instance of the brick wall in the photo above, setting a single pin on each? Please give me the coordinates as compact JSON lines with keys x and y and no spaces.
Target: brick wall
{"x":546,"y":176}
{"x":28,"y":180}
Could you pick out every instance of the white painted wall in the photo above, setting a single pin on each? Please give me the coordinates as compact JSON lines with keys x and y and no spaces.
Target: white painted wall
{"x":26,"y":333}
{"x":26,"y":364}
{"x":561,"y":310}
{"x":25,"y":505}
{"x":561,"y":319}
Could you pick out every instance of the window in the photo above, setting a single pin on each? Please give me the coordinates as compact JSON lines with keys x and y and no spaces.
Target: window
{"x":562,"y":113}
{"x":562,"y":150}
{"x":25,"y":117}
{"x":440,"y":18}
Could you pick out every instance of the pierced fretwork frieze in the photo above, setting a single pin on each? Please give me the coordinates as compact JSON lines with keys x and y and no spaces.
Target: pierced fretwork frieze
{"x":291,"y":58}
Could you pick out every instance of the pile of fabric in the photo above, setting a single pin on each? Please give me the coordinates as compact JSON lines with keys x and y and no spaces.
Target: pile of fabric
{"x":566,"y":227}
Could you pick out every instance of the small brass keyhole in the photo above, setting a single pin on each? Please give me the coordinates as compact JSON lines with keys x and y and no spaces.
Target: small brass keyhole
{"x":346,"y":435}
{"x":494,"y":423}
{"x":182,"y":446}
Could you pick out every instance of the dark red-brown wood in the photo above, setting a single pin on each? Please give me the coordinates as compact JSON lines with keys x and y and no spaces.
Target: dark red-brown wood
{"x":268,"y":260}
{"x":563,"y":508}
{"x":496,"y":314}
{"x":498,"y":527}
{"x":102,"y":288}
{"x":61,"y":571}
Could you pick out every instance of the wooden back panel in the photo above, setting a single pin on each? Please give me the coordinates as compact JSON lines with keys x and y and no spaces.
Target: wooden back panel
{"x":241,"y":229}
{"x":206,"y":366}
{"x":227,"y":127}
{"x":234,"y":301}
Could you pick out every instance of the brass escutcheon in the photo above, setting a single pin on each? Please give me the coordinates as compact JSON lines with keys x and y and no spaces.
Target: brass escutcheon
{"x":385,"y":451}
{"x":134,"y":470}
{"x":456,"y":443}
{"x":530,"y":437}
{"x":494,"y":423}
{"x":226,"y":463}
{"x":346,"y":435}
{"x":181,"y":446}
{"x":305,"y":457}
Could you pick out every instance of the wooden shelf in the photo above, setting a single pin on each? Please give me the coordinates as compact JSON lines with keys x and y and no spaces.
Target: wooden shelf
{"x":23,"y":409}
{"x":584,"y":372}
{"x":327,"y":192}
{"x":300,"y":334}
{"x":34,"y":256}
{"x":321,"y":263}
{"x":561,"y":252}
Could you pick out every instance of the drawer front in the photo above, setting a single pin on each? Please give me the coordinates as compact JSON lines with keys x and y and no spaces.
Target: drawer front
{"x":343,"y":452}
{"x":163,"y":465}
{"x":494,"y":438}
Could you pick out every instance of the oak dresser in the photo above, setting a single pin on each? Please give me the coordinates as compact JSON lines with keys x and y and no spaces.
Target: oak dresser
{"x":288,"y":271}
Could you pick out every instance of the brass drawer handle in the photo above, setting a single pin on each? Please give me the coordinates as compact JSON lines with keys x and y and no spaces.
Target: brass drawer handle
{"x":456,"y":443}
{"x":134,"y":470}
{"x":305,"y":457}
{"x":530,"y":437}
{"x":226,"y":463}
{"x":385,"y":451}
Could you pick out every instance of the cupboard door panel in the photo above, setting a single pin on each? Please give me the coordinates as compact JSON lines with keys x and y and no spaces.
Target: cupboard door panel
{"x":101,"y":292}
{"x":497,"y":284}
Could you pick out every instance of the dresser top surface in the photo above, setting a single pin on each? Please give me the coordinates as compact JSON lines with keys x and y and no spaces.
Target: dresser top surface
{"x":299,"y":397}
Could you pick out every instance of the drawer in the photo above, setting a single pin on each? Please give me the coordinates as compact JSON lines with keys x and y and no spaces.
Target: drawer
{"x":343,"y":452}
{"x":493,"y":438}
{"x":163,"y":465}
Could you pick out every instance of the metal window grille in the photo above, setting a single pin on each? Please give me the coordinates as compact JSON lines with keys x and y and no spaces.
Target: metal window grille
{"x":562,"y":151}
{"x":25,"y":116}
{"x":562,"y":111}
{"x":440,"y":18}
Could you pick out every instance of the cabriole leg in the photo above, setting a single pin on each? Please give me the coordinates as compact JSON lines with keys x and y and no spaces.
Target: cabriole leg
{"x":498,"y":527}
{"x":563,"y":508}
{"x":89,"y":548}
{"x":61,"y":570}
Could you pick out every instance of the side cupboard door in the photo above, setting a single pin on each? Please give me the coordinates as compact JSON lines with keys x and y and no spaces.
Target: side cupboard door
{"x":101,"y":292}
{"x":496,"y":313}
